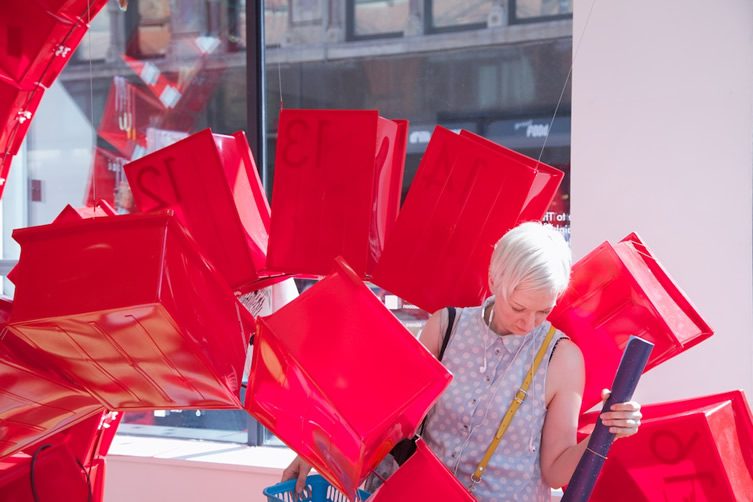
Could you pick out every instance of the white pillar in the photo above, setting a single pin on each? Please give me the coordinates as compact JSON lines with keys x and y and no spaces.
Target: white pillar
{"x":662,"y":144}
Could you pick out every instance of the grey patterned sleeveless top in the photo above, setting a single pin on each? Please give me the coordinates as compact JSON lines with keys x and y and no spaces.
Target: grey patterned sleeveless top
{"x":462,"y":423}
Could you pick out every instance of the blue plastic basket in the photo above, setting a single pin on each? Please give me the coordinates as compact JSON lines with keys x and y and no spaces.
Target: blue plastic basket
{"x":318,"y":489}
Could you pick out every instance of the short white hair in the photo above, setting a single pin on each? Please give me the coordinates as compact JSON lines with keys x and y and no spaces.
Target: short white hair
{"x":530,"y":257}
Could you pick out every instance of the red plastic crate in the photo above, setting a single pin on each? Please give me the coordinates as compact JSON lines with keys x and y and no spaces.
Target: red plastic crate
{"x":56,"y":476}
{"x":87,"y":440}
{"x":36,"y":405}
{"x":698,"y":449}
{"x":617,"y":291}
{"x":38,"y":43}
{"x":324,"y":379}
{"x":422,"y":477}
{"x":211,"y":182}
{"x":338,"y":178}
{"x":466,"y":194}
{"x":18,"y":103}
{"x":85,"y":10}
{"x":130,"y":310}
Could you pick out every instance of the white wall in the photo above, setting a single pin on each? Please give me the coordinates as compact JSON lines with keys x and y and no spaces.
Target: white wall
{"x":130,"y":479}
{"x":662,"y":144}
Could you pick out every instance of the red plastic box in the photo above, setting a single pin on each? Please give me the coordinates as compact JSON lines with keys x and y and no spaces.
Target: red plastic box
{"x":422,"y":477}
{"x":466,"y":194}
{"x":617,"y":291}
{"x":18,"y":103}
{"x":37,"y":44}
{"x":35,"y":405}
{"x":73,"y":9}
{"x":338,"y":178}
{"x":698,"y":449}
{"x":211,"y":183}
{"x":56,"y":476}
{"x":130,"y":310}
{"x":329,"y":378}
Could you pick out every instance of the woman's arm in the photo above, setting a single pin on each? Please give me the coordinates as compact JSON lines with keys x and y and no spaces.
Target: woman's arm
{"x":431,"y":334}
{"x":560,"y":453}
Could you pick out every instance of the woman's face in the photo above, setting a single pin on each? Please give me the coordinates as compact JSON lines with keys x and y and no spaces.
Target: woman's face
{"x":523,"y":311}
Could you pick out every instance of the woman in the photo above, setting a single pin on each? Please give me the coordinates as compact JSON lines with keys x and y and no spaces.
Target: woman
{"x":489,"y":352}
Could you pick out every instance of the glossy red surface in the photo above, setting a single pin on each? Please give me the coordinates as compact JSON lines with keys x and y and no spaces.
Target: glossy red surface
{"x":339,"y":379}
{"x":18,"y":103}
{"x":127,"y":308}
{"x":698,"y":449}
{"x":73,"y":9}
{"x":338,"y":177}
{"x":466,"y":194}
{"x":212,"y":184}
{"x":87,"y":440}
{"x":38,"y":43}
{"x":57,"y":476}
{"x":422,"y":477}
{"x":35,"y":405}
{"x":617,"y":291}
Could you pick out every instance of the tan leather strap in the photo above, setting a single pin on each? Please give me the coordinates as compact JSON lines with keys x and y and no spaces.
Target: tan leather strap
{"x":520,"y":396}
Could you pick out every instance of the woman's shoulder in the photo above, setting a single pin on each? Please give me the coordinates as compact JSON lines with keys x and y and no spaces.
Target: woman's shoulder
{"x":566,"y":358}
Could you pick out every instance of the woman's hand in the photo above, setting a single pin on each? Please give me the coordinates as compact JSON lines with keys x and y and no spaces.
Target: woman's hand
{"x":298,"y":469}
{"x":623,"y":419}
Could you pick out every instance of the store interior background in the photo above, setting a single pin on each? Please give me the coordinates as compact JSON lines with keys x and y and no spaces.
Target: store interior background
{"x":657,"y":124}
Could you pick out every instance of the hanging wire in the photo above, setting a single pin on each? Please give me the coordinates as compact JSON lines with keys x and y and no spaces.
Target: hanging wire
{"x":567,"y":79}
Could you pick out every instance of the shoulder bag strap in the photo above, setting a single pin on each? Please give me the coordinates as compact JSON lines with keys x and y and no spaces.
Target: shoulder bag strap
{"x":451,"y":312}
{"x":520,"y":396}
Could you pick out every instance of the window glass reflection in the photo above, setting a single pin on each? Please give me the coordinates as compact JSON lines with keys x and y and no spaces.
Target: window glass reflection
{"x":447,"y":13}
{"x":542,"y":8}
{"x":375,"y":17}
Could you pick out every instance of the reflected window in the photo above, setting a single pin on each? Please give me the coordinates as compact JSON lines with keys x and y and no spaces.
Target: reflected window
{"x":536,"y":10}
{"x":378,"y":18}
{"x":275,"y":22}
{"x":448,"y":15}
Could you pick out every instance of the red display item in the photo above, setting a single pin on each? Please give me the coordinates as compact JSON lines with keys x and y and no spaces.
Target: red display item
{"x":617,"y":291}
{"x":85,"y":10}
{"x":338,"y":177}
{"x":129,"y":309}
{"x":53,"y":471}
{"x":212,"y":184}
{"x":697,"y":449}
{"x":6,"y":305}
{"x":464,"y":197}
{"x":97,"y":475}
{"x":544,"y":186}
{"x":18,"y":103}
{"x":38,"y":43}
{"x":87,"y":440}
{"x":34,"y":406}
{"x":422,"y":477}
{"x":100,"y":208}
{"x":323,"y":378}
